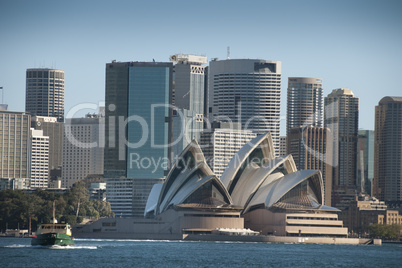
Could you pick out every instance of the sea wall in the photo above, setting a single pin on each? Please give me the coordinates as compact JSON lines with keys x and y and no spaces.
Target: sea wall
{"x":285,"y":239}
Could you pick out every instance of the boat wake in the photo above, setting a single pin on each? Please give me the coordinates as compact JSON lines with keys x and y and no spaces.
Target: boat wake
{"x":17,"y":246}
{"x":73,"y":247}
{"x":49,"y":247}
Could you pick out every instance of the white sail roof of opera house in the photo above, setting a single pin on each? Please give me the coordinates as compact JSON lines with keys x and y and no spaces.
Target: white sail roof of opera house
{"x":260,"y":147}
{"x":189,"y":176}
{"x":253,"y":179}
{"x":254,"y":176}
{"x":289,"y":192}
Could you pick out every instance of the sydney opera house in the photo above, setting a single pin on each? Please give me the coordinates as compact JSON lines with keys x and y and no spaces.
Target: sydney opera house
{"x":257,"y":192}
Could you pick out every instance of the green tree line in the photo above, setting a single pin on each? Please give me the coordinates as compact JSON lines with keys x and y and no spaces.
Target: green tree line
{"x":385,"y":231}
{"x":17,"y":207}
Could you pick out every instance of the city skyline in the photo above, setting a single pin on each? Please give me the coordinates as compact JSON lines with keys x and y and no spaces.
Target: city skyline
{"x":348,"y":44}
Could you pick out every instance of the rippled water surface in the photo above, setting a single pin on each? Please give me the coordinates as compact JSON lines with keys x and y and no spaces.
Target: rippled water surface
{"x":18,"y":252}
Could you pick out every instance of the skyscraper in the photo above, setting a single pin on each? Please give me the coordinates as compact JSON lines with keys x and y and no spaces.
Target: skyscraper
{"x":137,"y":132}
{"x":246,"y":91}
{"x":304,"y":102}
{"x":39,"y":159}
{"x":388,"y":149}
{"x":15,"y":148}
{"x":189,"y":87}
{"x":45,"y":93}
{"x":342,"y":117}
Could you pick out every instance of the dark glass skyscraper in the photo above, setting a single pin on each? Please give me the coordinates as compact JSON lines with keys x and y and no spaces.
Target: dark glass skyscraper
{"x":137,"y":132}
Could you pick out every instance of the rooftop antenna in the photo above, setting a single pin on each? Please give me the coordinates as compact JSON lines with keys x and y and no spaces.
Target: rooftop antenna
{"x":228,"y":53}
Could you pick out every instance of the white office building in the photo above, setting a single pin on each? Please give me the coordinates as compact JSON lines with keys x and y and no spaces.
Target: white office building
{"x":39,"y":159}
{"x":83,"y":147}
{"x":247,"y":91}
{"x":221,"y":143}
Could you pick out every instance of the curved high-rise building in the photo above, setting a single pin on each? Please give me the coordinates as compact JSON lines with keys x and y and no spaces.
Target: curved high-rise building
{"x":45,"y":93}
{"x":304,"y":102}
{"x":247,"y":91}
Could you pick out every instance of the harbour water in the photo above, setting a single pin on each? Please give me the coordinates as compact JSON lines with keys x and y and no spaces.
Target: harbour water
{"x":18,"y":252}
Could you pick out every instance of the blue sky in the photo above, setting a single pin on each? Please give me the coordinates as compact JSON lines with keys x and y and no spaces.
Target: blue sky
{"x":351,"y":44}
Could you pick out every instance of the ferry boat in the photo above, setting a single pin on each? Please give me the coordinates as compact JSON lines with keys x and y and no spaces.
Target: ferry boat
{"x":53,"y":234}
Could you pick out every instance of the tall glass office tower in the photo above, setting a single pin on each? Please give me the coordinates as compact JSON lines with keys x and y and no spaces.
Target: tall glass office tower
{"x":137,"y":132}
{"x":247,"y":91}
{"x":45,"y":93}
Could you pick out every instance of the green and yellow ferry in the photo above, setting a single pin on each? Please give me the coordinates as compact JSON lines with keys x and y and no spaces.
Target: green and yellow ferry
{"x":53,"y":234}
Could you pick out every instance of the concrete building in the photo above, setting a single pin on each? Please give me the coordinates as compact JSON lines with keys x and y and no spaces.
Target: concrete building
{"x":246,"y":91}
{"x":54,"y":130}
{"x":45,"y":93}
{"x":138,"y":130}
{"x":388,"y":149}
{"x":189,"y":87}
{"x":83,"y":148}
{"x":362,"y":212}
{"x":304,"y":102}
{"x":39,"y":160}
{"x":365,"y":161}
{"x":390,"y":217}
{"x":15,"y":144}
{"x":221,"y":142}
{"x":311,"y":148}
{"x":342,"y":117}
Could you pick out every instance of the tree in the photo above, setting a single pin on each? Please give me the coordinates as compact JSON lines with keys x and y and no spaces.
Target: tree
{"x":77,"y":196}
{"x":385,"y":231}
{"x":18,"y":208}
